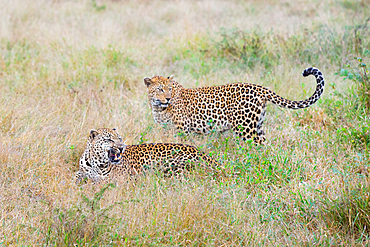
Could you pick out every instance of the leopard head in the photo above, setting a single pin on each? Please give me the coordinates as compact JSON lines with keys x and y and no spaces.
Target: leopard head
{"x":159,"y":90}
{"x":105,"y":146}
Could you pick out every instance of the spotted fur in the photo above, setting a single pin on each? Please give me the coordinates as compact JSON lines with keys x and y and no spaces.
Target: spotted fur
{"x":106,"y":156}
{"x":239,"y":106}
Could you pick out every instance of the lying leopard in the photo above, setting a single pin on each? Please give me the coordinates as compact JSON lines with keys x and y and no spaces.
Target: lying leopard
{"x":239,"y":106}
{"x":106,"y":156}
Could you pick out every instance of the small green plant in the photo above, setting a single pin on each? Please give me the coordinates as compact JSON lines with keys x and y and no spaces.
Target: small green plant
{"x":142,"y":138}
{"x":98,"y":8}
{"x":360,"y":75}
{"x":82,"y":224}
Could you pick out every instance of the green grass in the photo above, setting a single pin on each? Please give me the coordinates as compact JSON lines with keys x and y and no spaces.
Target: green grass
{"x":68,"y":67}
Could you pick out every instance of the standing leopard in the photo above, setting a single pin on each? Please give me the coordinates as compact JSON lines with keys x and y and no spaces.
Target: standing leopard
{"x":106,"y":156}
{"x":238,"y":106}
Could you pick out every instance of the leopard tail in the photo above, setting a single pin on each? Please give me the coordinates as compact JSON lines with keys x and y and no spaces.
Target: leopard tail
{"x":282,"y":102}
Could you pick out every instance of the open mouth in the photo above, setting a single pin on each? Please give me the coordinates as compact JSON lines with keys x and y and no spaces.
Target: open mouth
{"x":114,"y":156}
{"x":160,"y":104}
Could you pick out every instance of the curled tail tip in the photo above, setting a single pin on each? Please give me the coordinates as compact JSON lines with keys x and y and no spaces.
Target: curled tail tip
{"x":311,"y":71}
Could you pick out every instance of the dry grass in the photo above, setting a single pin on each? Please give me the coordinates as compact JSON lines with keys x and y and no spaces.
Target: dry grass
{"x":67,"y":67}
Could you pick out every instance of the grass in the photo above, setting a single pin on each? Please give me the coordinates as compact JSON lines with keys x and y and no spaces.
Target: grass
{"x":68,"y":67}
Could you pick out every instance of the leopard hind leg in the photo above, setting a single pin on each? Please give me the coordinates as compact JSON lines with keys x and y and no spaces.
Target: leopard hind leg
{"x":260,"y":137}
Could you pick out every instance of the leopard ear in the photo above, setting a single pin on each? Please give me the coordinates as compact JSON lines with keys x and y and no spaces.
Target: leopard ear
{"x":124,"y":146}
{"x":170,"y":77}
{"x":147,"y":81}
{"x":93,"y":133}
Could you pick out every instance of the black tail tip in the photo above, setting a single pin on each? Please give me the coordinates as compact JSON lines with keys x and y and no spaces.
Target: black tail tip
{"x":308,"y":71}
{"x":312,"y":71}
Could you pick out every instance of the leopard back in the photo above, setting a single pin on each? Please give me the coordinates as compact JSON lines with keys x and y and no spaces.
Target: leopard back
{"x":167,"y":158}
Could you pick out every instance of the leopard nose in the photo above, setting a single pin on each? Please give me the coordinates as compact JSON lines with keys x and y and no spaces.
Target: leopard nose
{"x":168,"y":99}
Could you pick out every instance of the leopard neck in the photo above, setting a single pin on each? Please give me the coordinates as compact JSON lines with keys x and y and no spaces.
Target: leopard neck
{"x":162,"y":115}
{"x":176,"y":96}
